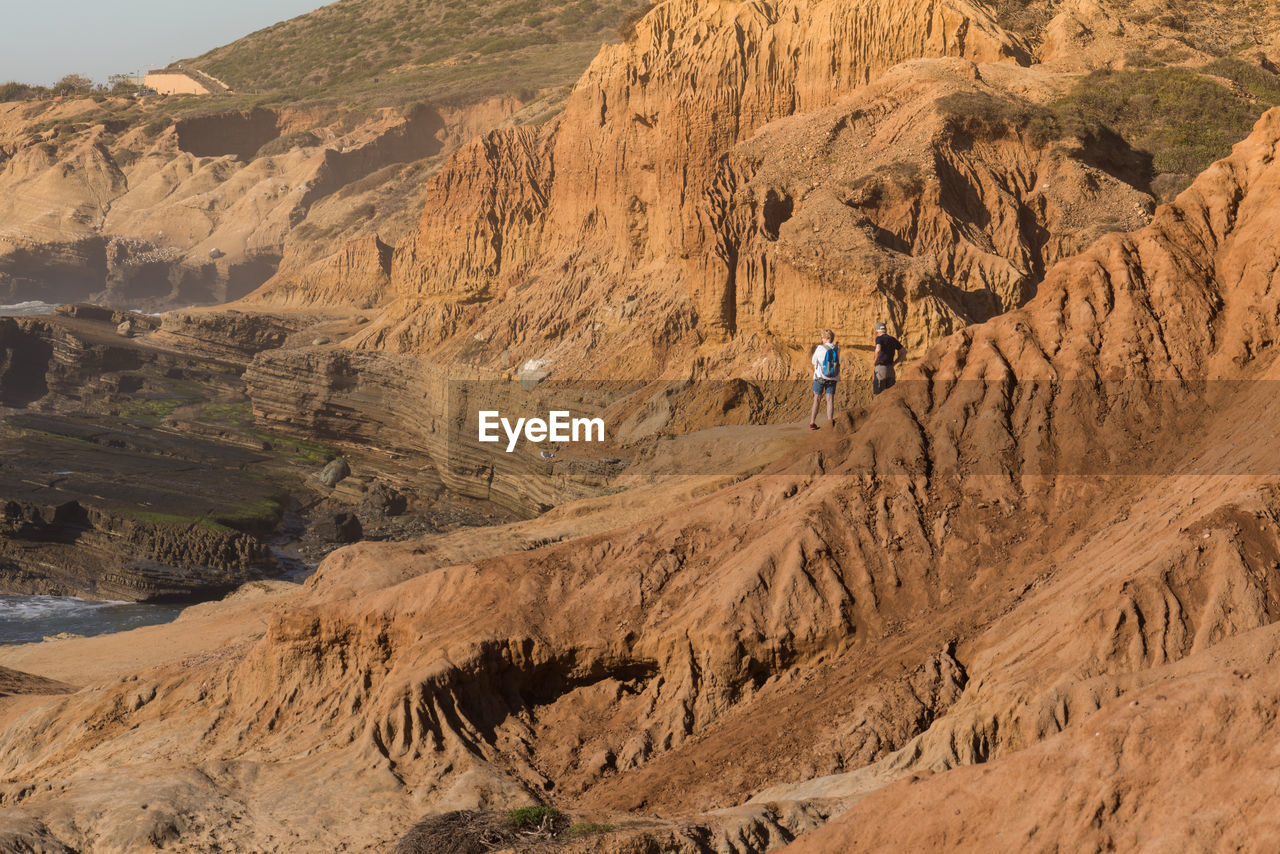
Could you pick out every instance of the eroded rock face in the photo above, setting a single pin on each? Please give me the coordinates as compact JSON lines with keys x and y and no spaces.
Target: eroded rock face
{"x":929,"y":586}
{"x":399,"y":407}
{"x":886,"y":207}
{"x":235,"y":334}
{"x":628,"y":666}
{"x":24,"y":362}
{"x":880,"y":206}
{"x":358,"y":276}
{"x":206,"y":210}
{"x":615,"y":199}
{"x":109,"y":557}
{"x":55,"y":272}
{"x":1148,"y":765}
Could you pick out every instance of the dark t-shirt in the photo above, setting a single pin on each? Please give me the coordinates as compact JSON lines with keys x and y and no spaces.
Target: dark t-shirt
{"x":889,"y":347}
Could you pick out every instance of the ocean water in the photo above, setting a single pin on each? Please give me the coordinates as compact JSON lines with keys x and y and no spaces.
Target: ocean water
{"x":31,"y":307}
{"x":28,"y":619}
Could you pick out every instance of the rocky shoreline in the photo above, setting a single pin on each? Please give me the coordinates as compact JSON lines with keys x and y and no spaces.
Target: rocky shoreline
{"x":136,"y":472}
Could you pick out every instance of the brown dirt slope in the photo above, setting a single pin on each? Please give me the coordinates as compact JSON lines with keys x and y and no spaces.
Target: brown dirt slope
{"x":16,"y":682}
{"x":1185,"y":763}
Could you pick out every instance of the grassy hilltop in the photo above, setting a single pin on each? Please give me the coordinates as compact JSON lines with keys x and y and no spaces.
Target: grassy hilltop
{"x":397,"y":50}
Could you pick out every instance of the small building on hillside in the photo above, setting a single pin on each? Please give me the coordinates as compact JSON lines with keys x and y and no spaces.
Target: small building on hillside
{"x":181,"y":81}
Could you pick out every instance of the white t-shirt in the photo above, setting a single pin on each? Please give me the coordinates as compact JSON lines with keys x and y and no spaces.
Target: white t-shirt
{"x":819,"y":357}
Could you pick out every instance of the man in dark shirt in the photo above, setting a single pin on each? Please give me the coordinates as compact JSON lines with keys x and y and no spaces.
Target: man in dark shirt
{"x":886,"y":347}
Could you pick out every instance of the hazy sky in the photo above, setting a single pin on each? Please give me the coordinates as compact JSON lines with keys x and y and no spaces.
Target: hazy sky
{"x":41,"y":40}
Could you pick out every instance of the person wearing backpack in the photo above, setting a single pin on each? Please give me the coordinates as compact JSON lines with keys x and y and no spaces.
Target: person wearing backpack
{"x":886,"y":348}
{"x":826,"y":373}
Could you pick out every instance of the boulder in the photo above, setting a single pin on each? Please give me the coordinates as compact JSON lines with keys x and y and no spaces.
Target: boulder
{"x":340,"y":528}
{"x":382,"y":500}
{"x":335,"y":472}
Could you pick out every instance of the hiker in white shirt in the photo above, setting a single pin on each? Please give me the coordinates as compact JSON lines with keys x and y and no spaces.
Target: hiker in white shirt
{"x":826,"y":373}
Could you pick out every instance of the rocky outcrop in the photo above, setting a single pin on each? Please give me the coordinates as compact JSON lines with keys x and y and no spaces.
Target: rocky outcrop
{"x":930,"y":200}
{"x":140,"y":272}
{"x":886,"y":205}
{"x":397,"y":407}
{"x":231,"y":334}
{"x":483,"y":243}
{"x":72,"y":353}
{"x":56,"y":272}
{"x":24,"y":361}
{"x":111,"y":557}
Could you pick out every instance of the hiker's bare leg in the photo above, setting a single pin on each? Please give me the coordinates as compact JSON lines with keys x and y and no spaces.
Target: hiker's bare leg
{"x":831,"y":406}
{"x":813,"y":416}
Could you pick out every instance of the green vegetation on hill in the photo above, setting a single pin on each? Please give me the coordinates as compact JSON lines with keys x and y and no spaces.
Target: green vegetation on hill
{"x":1176,"y":120}
{"x":72,"y":85}
{"x":1184,"y":119}
{"x":1215,"y":27}
{"x":353,"y":57}
{"x":393,"y":50}
{"x":535,"y":816}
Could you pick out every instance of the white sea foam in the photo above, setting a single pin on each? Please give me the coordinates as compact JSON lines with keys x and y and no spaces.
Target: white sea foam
{"x":43,"y":607}
{"x":29,"y":307}
{"x":27,"y":619}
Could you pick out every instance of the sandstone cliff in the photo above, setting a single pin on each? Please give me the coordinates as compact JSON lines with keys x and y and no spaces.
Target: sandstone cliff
{"x":601,"y":246}
{"x":675,"y":212}
{"x":617,"y":200}
{"x":934,"y":589}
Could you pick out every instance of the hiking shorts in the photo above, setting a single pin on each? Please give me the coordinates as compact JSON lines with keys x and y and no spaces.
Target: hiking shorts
{"x":884,"y":378}
{"x":824,"y":386}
